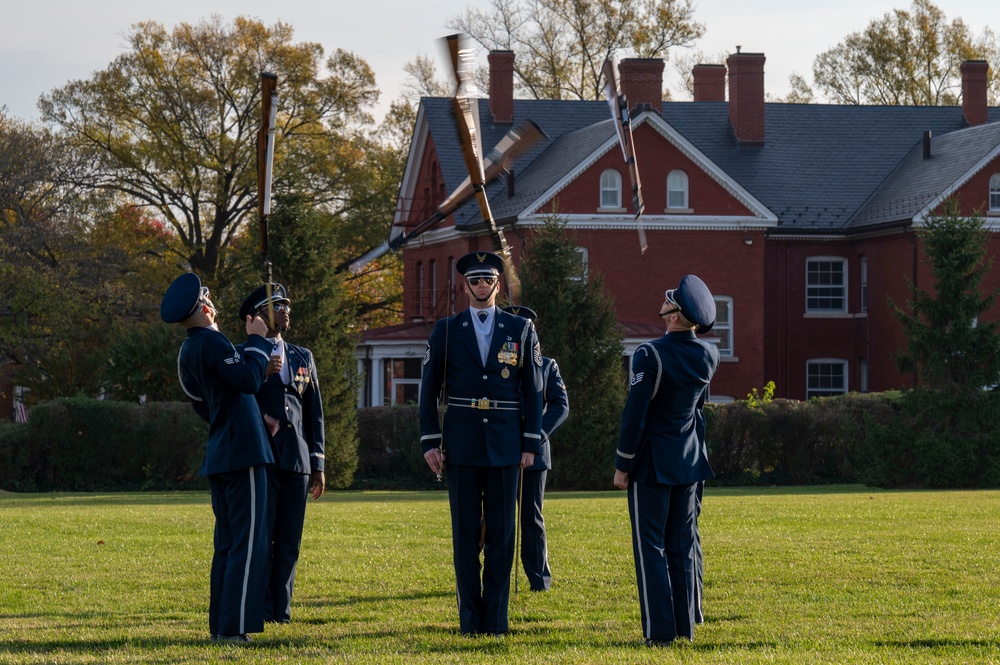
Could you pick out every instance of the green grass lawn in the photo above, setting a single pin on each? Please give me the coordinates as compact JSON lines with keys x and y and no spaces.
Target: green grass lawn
{"x":793,"y":575}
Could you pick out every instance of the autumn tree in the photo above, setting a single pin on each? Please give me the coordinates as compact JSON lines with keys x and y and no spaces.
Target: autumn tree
{"x":948,"y":342}
{"x":170,"y":125}
{"x":560,"y":45}
{"x":906,"y":57}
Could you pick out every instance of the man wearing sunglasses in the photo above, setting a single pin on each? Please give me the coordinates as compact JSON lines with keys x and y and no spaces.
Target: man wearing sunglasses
{"x":290,"y":403}
{"x":662,"y":460}
{"x":486,"y":366}
{"x":221,"y":382}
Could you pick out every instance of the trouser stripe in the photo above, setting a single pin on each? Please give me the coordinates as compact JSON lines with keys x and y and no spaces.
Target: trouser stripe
{"x":642,"y":562}
{"x":253,"y":526}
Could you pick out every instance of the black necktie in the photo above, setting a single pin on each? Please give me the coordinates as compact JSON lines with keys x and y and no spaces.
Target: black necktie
{"x":482,"y":315}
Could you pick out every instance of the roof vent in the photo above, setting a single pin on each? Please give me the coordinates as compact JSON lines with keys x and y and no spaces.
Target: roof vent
{"x":927,"y":144}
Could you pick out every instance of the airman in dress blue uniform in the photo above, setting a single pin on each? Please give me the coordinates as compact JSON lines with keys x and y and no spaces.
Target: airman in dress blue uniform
{"x":487,"y":364}
{"x":662,"y":459}
{"x":555,"y":409}
{"x":290,"y":403}
{"x":221,"y":383}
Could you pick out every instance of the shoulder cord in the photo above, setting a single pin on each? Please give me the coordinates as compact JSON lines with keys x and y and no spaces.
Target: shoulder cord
{"x":659,"y":369}
{"x":180,"y":374}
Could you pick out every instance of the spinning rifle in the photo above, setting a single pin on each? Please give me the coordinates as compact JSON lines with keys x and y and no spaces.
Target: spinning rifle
{"x":465,"y":105}
{"x":623,"y":126}
{"x":498,"y":161}
{"x":265,"y":162}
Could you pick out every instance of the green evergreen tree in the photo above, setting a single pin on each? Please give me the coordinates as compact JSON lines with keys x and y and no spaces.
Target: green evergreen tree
{"x":949,"y":343}
{"x":302,"y":247}
{"x":577,"y":327}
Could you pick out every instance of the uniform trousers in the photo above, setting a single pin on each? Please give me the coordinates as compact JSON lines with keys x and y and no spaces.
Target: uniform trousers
{"x":239,"y":501}
{"x":664,"y":519}
{"x":490,"y":493}
{"x":534,"y":551}
{"x":288,"y":492}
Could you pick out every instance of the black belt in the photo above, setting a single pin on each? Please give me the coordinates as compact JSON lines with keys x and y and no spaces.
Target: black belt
{"x":484,"y":404}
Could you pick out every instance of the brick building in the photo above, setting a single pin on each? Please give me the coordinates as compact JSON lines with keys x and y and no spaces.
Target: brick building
{"x":799,"y":217}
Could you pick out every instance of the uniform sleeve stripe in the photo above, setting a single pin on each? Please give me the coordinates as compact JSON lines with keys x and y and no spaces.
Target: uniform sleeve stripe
{"x":625,"y":455}
{"x":256,"y":350}
{"x":532,"y":436}
{"x":319,"y":455}
{"x":428,"y":437}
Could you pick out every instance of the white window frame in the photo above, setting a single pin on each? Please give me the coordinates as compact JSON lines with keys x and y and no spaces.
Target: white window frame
{"x":723,"y":330}
{"x":864,"y":284}
{"x":611,"y":182}
{"x":827,"y":392}
{"x":393,"y":382}
{"x":683,"y":190}
{"x":995,"y":193}
{"x":816,"y":291}
{"x":585,"y":262}
{"x":420,"y":289}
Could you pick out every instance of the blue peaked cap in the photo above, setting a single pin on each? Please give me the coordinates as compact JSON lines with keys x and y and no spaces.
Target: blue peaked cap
{"x":520,"y":310}
{"x":696,"y":302}
{"x":181,"y":299}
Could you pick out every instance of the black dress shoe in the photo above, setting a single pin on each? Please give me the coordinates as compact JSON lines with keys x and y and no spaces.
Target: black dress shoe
{"x":658,"y":643}
{"x":232,"y":639}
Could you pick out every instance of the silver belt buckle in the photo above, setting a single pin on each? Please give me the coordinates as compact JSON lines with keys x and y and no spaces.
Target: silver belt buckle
{"x":483,"y":403}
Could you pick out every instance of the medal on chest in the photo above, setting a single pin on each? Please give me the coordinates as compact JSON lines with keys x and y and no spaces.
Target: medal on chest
{"x":301,"y":379}
{"x":507,"y":356}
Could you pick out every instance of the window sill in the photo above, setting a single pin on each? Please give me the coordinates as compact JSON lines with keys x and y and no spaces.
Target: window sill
{"x":679,"y":211}
{"x":828,"y":315}
{"x":993,"y":213}
{"x":611,"y":210}
{"x":835,"y":315}
{"x":729,"y":359}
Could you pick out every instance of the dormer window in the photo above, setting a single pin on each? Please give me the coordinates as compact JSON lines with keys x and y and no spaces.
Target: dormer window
{"x":677,"y":191}
{"x":611,"y":191}
{"x":995,"y":193}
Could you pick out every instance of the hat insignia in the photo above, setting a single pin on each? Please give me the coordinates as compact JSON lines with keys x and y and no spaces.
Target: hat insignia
{"x":481,"y":257}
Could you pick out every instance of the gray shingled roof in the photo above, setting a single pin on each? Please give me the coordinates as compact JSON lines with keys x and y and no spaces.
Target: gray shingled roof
{"x":917,"y":182}
{"x":818,"y":166}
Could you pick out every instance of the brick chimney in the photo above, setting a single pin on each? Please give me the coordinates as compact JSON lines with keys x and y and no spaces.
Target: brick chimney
{"x":746,"y":97}
{"x":641,"y":81}
{"x":709,"y":83}
{"x":974,"y":104}
{"x":502,"y":85}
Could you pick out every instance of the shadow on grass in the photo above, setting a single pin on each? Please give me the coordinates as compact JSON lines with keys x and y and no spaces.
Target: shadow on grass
{"x":935,"y":643}
{"x":361,"y":600}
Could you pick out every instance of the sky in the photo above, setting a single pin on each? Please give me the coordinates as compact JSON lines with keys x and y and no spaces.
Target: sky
{"x":47,"y":43}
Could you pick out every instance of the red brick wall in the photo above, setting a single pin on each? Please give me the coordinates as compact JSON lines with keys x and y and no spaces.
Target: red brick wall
{"x":641,"y":81}
{"x":656,"y":157}
{"x":974,"y":91}
{"x":746,"y":97}
{"x":501,"y":85}
{"x":709,"y":83}
{"x":728,"y":265}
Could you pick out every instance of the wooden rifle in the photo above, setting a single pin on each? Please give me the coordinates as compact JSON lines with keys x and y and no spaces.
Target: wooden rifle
{"x":498,"y":162}
{"x":465,"y":104}
{"x":265,"y":163}
{"x":622,"y":121}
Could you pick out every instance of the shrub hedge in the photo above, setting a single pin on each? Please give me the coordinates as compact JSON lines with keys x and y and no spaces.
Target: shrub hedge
{"x":916,"y":438}
{"x":81,"y":444}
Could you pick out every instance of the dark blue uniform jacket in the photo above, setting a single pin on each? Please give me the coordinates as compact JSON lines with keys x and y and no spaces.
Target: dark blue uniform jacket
{"x":222,"y":383}
{"x":298,"y":408}
{"x":554,"y":411}
{"x":472,"y":436}
{"x":663,"y":426}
